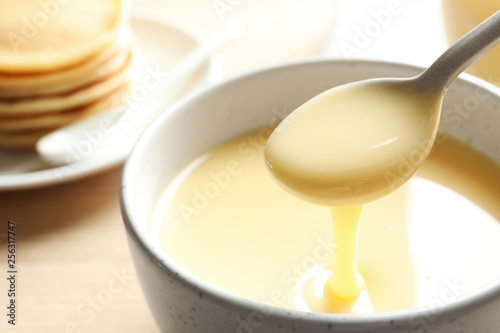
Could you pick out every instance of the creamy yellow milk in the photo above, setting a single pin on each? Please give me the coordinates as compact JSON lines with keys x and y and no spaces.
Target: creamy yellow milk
{"x":345,"y":148}
{"x":226,"y":221}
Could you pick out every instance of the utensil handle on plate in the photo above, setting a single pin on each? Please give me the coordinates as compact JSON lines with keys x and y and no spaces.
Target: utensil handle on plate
{"x":125,"y":125}
{"x":137,"y":121}
{"x":134,"y":123}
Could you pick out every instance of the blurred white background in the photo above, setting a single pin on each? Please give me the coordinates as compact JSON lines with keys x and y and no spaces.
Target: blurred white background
{"x":409,"y":31}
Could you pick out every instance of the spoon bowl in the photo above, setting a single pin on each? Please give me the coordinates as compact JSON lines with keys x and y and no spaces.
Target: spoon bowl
{"x":357,"y":143}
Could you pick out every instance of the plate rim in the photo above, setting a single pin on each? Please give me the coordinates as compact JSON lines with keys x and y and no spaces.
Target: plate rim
{"x":67,"y":173}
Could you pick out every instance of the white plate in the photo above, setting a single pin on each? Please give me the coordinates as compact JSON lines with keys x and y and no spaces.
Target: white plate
{"x":163,"y":41}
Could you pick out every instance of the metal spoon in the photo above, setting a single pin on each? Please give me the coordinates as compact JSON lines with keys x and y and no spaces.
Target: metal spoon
{"x":337,"y":149}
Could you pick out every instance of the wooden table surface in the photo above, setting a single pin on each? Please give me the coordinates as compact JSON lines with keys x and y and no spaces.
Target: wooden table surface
{"x":75,"y":272}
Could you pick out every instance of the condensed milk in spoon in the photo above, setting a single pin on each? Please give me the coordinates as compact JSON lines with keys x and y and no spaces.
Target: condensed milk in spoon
{"x":344,"y":148}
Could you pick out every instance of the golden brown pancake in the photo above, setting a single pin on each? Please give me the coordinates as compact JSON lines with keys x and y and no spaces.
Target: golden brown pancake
{"x":39,"y":36}
{"x":57,"y":119}
{"x":101,"y":65}
{"x":60,"y":61}
{"x":56,"y":103}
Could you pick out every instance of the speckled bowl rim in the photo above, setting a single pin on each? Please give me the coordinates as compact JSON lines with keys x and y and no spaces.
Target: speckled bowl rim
{"x":461,"y":305}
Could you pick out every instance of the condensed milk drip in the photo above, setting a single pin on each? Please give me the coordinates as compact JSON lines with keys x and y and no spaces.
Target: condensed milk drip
{"x":343,"y":149}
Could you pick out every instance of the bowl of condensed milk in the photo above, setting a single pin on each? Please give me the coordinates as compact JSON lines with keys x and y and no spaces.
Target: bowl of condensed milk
{"x":220,"y":247}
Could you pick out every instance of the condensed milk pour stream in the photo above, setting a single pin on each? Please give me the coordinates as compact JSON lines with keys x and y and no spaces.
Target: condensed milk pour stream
{"x":342,"y":149}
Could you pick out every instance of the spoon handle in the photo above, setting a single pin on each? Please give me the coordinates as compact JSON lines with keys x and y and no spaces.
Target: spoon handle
{"x":134,"y":123}
{"x":59,"y":146}
{"x":462,"y":54}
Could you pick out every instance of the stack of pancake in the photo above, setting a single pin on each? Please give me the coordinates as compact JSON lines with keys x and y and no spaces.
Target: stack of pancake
{"x":60,"y":61}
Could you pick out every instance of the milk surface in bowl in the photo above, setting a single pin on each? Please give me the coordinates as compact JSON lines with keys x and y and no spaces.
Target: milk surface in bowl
{"x":198,"y":123}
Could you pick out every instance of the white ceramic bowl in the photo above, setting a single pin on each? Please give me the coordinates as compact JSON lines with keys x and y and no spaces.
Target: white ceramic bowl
{"x":179,"y":301}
